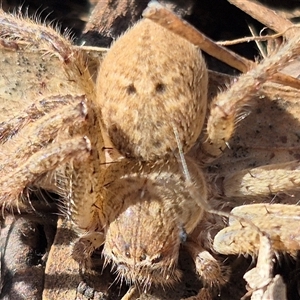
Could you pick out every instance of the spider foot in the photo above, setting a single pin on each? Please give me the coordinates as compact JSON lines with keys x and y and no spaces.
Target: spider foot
{"x":84,"y":248}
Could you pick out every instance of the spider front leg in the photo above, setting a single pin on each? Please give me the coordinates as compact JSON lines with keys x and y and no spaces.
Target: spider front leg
{"x":85,"y":246}
{"x":263,"y":181}
{"x":277,"y":220}
{"x":228,"y":108}
{"x":39,"y":149}
{"x":103,"y":208}
{"x":267,"y":230}
{"x":56,"y":92}
{"x":199,"y":245}
{"x":211,"y":272}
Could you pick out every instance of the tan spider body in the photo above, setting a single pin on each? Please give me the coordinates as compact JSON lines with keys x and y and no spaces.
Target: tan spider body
{"x":151,"y":88}
{"x":145,"y":210}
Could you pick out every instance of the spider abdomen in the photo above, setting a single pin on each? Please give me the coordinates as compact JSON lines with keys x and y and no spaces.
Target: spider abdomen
{"x":151,"y":83}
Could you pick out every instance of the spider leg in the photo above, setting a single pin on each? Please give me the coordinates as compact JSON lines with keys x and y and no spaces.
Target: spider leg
{"x":211,"y":272}
{"x":34,"y":111}
{"x":42,"y":161}
{"x":58,"y":71}
{"x":229,"y":107}
{"x":277,"y":220}
{"x":238,"y":237}
{"x":85,"y":246}
{"x":263,"y":181}
{"x":45,"y":129}
{"x":37,"y":153}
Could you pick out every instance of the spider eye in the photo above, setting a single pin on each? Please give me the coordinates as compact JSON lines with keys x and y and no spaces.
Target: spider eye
{"x":143,"y":257}
{"x":127,"y":251}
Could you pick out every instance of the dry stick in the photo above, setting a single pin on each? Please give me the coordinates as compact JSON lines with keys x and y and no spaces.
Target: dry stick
{"x":166,"y":18}
{"x":264,"y":15}
{"x":285,"y":79}
{"x":272,"y":20}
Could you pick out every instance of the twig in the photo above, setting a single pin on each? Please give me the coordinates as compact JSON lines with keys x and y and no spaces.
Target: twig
{"x":286,"y":80}
{"x":166,"y":18}
{"x":269,"y":18}
{"x":264,"y":15}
